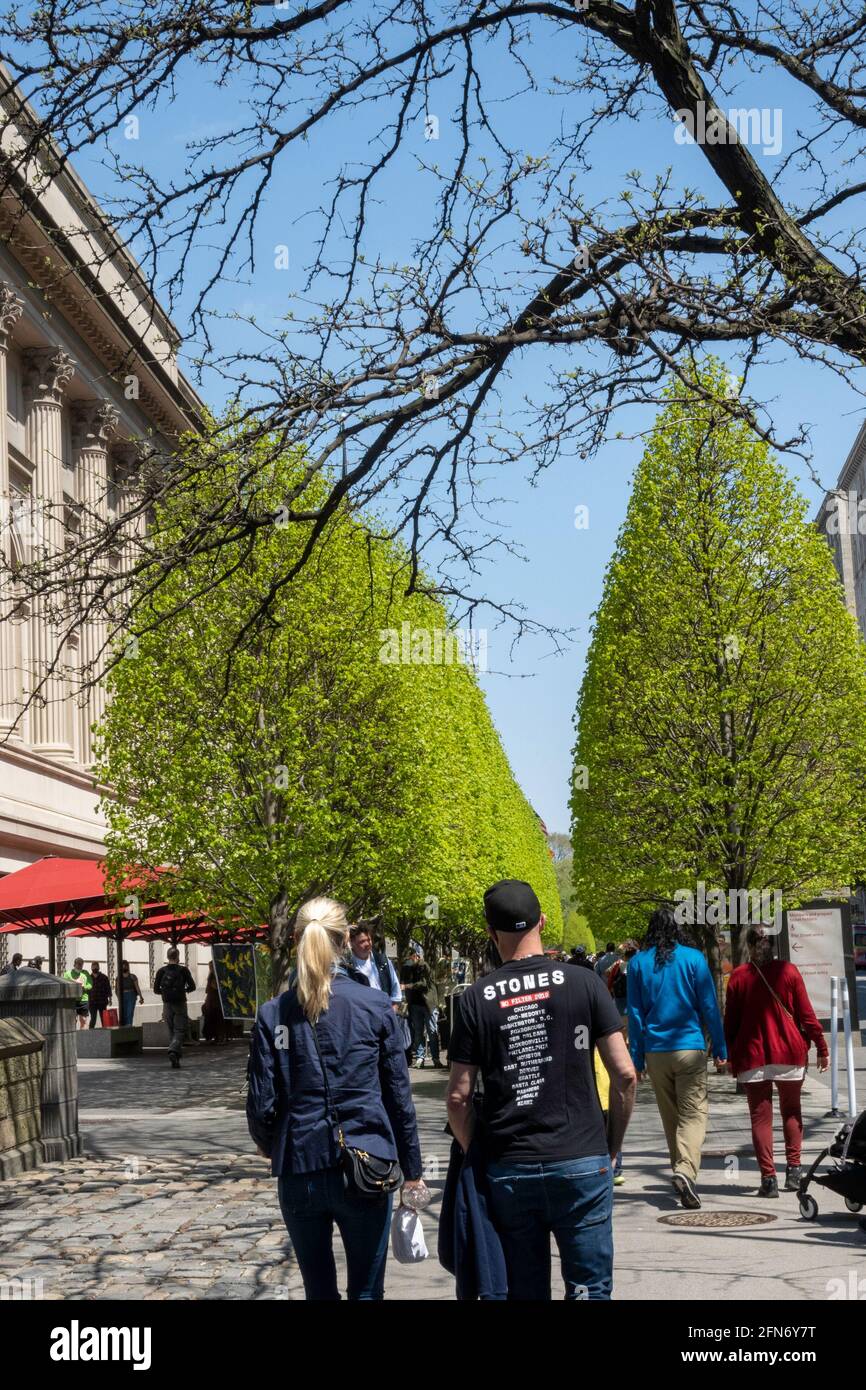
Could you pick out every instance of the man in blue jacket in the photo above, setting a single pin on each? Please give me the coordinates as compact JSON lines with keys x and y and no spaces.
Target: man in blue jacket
{"x":672,"y":1004}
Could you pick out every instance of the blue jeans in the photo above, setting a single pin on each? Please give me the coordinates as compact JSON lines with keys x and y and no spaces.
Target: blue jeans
{"x":424,"y":1026}
{"x":572,"y":1200}
{"x":312,"y":1203}
{"x":127,"y":1008}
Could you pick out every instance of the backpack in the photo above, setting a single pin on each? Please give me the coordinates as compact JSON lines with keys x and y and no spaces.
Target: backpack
{"x":172,"y":986}
{"x":619,"y":989}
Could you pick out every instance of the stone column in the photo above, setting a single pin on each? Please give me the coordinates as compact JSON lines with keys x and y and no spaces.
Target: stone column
{"x":11,"y":309}
{"x":93,"y":425}
{"x":47,"y":372}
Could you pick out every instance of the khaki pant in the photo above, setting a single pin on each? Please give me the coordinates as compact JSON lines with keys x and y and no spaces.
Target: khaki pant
{"x":679,"y":1080}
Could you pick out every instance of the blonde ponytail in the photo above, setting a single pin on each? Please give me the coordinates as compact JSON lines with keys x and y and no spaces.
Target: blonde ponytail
{"x":321,"y":931}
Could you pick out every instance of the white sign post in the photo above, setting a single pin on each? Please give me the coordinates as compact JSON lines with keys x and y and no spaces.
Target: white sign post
{"x":817,"y":950}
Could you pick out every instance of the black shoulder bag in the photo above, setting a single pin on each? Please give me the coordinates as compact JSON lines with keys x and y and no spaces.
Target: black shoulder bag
{"x":364,"y":1176}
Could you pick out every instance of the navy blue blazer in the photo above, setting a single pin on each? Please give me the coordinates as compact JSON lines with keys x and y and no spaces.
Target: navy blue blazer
{"x":362,"y":1044}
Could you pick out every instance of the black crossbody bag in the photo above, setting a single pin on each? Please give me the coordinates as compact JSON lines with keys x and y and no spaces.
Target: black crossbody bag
{"x":364,"y":1176}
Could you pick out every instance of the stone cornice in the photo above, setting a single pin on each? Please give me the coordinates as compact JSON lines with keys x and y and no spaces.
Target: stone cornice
{"x":49,"y":258}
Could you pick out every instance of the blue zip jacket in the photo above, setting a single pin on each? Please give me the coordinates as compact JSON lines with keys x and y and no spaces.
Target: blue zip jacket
{"x":469,"y":1246}
{"x":671,"y":1005}
{"x":362,"y":1044}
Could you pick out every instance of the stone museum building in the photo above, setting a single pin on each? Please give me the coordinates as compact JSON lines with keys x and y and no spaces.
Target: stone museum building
{"x":88,"y":380}
{"x":842,"y":520}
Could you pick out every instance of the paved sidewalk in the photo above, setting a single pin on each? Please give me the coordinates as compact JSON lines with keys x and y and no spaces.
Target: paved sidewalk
{"x":170,"y":1201}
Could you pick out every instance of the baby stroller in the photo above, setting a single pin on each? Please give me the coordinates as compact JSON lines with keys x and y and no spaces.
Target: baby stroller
{"x":847,"y":1176}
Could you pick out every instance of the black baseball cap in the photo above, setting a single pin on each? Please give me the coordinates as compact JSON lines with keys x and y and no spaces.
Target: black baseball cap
{"x":511,"y":905}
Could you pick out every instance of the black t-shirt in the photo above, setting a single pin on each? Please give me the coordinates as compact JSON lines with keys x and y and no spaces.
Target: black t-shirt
{"x":531,"y":1027}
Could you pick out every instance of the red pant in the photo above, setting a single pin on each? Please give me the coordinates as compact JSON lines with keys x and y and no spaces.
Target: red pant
{"x":760,"y":1098}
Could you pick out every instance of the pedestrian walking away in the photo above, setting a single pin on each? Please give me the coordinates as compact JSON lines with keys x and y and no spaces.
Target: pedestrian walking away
{"x":602,"y":1084}
{"x":422,"y":999}
{"x":213,"y":1026}
{"x":529,"y":1027}
{"x":100,"y":993}
{"x":606,"y":959}
{"x":329,"y":1097}
{"x":671,"y":1002}
{"x":616,"y":979}
{"x":173,"y":983}
{"x":128,"y":992}
{"x":579,"y":957}
{"x":80,"y":976}
{"x":769,"y":1024}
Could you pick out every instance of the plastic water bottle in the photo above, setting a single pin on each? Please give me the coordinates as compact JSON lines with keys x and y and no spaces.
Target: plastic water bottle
{"x":416,"y":1197}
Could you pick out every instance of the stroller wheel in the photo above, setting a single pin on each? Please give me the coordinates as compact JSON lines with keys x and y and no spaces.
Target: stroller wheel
{"x":808,"y":1208}
{"x":853,"y":1206}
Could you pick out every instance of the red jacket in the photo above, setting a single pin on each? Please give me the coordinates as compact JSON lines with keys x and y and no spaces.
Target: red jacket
{"x":757,"y":1029}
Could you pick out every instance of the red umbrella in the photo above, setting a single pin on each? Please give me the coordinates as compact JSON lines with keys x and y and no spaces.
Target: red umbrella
{"x":165,"y":926}
{"x":54,"y":894}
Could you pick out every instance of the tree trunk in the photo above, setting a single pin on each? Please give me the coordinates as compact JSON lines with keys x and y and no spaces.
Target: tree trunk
{"x":433,"y":944}
{"x":281,"y":923}
{"x":402,"y":935}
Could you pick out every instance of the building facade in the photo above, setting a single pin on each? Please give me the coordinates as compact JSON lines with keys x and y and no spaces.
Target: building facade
{"x":842,"y":520}
{"x":89,"y":383}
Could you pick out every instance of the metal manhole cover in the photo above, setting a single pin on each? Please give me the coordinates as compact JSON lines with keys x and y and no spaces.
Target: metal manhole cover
{"x":717,"y":1218}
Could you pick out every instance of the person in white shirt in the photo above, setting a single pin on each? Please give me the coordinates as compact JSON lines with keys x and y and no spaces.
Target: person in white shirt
{"x":377,"y":968}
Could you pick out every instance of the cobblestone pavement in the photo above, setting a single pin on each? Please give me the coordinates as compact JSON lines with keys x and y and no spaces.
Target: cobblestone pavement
{"x":170,"y":1202}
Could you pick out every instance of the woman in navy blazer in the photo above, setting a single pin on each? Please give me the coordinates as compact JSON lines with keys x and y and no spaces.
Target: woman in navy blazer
{"x":362,"y":1048}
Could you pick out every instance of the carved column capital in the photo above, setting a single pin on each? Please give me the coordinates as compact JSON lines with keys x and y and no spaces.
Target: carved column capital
{"x":94,"y":423}
{"x":11,"y":309}
{"x":47,"y":373}
{"x":130,"y":453}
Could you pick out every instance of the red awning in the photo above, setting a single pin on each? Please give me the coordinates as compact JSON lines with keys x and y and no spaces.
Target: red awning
{"x":55,"y":892}
{"x":165,"y":926}
{"x":27,"y":894}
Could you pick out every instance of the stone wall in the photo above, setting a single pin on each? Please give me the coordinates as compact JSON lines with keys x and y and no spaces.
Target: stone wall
{"x":48,"y":1005}
{"x":21,"y":1067}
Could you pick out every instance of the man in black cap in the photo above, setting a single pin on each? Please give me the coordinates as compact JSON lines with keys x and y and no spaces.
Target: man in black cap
{"x":530,"y":1027}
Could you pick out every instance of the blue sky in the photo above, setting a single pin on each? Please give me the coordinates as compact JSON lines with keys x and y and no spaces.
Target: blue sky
{"x":531,"y":692}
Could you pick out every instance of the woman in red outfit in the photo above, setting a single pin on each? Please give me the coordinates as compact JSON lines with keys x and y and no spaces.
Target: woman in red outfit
{"x":769,"y":1024}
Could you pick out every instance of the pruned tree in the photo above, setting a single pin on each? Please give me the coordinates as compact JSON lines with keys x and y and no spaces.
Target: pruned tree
{"x":721,"y":716}
{"x":309,"y":757}
{"x":404,"y":364}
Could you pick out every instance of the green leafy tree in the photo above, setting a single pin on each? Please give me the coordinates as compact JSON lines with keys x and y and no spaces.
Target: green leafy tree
{"x":721,"y":720}
{"x":574,"y":931}
{"x":302,"y":758}
{"x":563,"y":868}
